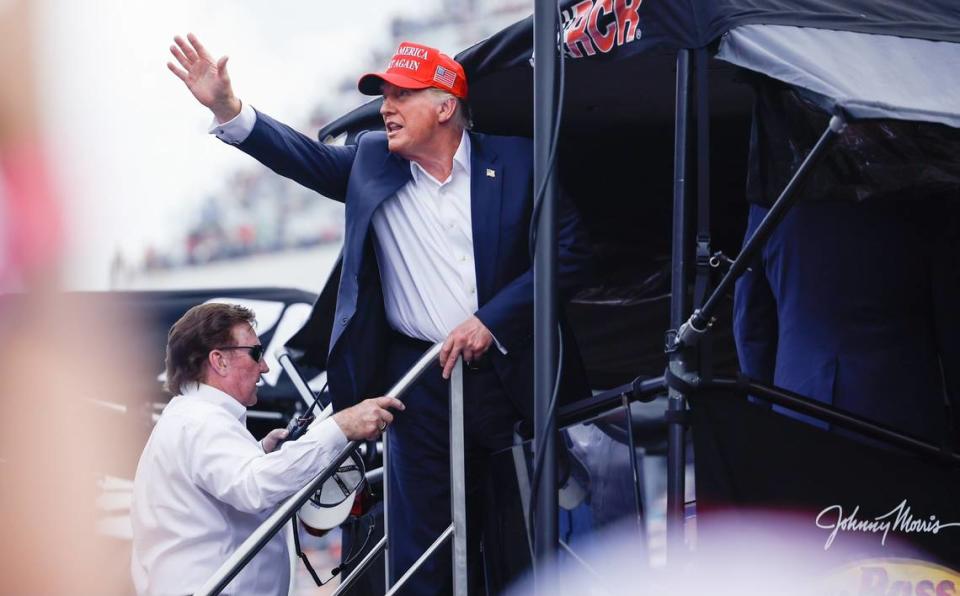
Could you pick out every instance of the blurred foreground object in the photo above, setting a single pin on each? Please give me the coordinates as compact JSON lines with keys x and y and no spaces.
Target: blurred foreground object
{"x":762,"y":553}
{"x":30,"y":225}
{"x":55,"y":359}
{"x":57,"y":362}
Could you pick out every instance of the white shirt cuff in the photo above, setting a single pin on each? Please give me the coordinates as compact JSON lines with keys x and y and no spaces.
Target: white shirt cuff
{"x":500,"y":347}
{"x":327,"y":433}
{"x":236,"y":130}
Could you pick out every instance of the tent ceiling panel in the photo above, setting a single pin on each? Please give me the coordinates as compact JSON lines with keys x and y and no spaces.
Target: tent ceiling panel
{"x":863,"y":76}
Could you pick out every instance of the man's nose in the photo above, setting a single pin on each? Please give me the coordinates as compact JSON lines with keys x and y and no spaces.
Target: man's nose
{"x":386,"y":107}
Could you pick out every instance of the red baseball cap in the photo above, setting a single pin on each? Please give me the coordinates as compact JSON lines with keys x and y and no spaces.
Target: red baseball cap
{"x":414,"y":66}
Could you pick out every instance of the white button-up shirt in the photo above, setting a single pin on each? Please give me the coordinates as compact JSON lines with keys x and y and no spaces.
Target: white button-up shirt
{"x":425,"y":251}
{"x":204,"y":484}
{"x":424,"y":243}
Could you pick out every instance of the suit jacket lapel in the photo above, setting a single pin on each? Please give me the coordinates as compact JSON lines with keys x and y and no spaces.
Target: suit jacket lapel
{"x":486,"y":194}
{"x":395,"y":172}
{"x":380,"y":176}
{"x":380,"y":181}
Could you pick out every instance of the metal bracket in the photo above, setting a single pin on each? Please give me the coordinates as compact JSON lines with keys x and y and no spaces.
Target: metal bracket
{"x":703,"y":251}
{"x":689,"y":333}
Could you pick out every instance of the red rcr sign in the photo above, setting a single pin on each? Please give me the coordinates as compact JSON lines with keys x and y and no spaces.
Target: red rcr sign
{"x":593,"y":26}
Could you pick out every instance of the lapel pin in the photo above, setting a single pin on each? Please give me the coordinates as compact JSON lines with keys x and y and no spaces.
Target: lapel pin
{"x":491,"y":173}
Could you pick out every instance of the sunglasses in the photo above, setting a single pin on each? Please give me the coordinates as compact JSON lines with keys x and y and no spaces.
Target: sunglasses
{"x":256,"y":352}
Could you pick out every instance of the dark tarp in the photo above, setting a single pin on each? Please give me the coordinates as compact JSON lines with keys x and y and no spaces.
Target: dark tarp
{"x":749,"y":457}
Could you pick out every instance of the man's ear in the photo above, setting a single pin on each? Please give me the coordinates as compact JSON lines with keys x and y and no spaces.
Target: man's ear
{"x":447,"y":109}
{"x":217,"y":363}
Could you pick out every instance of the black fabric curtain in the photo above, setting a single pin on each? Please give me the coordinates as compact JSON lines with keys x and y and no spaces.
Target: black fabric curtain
{"x":750,"y":459}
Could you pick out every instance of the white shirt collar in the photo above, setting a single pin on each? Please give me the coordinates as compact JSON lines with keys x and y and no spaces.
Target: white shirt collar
{"x":460,"y":158}
{"x":211,"y":395}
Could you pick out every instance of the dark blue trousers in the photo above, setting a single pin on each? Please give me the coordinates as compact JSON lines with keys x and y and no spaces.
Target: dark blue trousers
{"x":419,"y":461}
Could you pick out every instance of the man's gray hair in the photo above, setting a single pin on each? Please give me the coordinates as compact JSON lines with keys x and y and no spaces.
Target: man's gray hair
{"x":462,"y":116}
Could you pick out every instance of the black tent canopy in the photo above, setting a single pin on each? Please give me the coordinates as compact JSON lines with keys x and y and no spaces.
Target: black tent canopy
{"x":609,"y":94}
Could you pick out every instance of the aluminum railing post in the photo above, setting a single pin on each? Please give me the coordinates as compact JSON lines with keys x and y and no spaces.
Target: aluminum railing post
{"x":458,"y":481}
{"x":386,"y":512}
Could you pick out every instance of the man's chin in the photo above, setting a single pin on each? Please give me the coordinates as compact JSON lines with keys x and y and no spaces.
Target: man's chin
{"x":394,"y":145}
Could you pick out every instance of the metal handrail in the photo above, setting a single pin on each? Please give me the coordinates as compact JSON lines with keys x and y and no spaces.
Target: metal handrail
{"x":457,"y":530}
{"x":259,"y":538}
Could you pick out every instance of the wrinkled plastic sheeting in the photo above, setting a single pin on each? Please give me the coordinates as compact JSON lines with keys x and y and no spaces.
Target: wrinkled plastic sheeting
{"x":871,"y":159}
{"x":865,"y":76}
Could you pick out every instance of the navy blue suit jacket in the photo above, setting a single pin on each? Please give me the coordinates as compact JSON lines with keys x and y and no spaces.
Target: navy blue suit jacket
{"x":362,"y":176}
{"x":856,"y":305}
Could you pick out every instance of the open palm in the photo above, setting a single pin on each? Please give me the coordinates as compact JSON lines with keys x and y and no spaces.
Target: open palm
{"x":207,"y":80}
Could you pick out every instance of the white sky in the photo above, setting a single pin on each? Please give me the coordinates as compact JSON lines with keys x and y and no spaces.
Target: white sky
{"x":130,"y":141}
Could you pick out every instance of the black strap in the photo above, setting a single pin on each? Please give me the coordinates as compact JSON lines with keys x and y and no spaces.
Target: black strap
{"x":679,"y":383}
{"x":346,"y":561}
{"x":677,"y":416}
{"x":303,"y":555}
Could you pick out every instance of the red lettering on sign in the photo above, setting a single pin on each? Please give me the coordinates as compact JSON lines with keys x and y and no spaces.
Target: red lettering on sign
{"x":946,"y":588}
{"x":604,"y":41}
{"x":925,"y":588}
{"x":576,"y":30}
{"x":627,"y":20}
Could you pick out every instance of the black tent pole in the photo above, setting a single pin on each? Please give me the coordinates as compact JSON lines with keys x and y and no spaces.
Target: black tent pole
{"x":545,"y":539}
{"x":701,"y":285}
{"x":676,"y":402}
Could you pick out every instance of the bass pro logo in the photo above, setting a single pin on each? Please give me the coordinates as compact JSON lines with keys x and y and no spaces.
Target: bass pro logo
{"x":593,"y":26}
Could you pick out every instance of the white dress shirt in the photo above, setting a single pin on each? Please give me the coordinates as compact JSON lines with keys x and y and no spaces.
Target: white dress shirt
{"x":425,"y":251}
{"x":424,"y":243}
{"x":204,"y":484}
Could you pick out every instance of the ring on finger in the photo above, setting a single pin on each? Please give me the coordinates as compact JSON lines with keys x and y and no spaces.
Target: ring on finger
{"x":383,"y":426}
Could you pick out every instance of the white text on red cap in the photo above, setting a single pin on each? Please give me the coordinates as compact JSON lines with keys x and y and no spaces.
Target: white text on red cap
{"x":411,"y":51}
{"x":408,"y":64}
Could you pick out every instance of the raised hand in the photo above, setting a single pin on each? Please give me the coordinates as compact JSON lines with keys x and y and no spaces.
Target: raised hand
{"x":207,"y":80}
